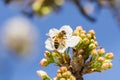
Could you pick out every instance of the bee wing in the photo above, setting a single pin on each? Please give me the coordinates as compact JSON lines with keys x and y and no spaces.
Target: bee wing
{"x":62,"y":49}
{"x":53,"y":32}
{"x":72,"y":41}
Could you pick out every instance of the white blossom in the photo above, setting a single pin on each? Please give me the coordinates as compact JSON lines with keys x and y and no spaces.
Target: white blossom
{"x":69,"y":40}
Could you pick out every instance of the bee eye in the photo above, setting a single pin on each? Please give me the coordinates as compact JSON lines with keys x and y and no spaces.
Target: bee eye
{"x":63,"y":32}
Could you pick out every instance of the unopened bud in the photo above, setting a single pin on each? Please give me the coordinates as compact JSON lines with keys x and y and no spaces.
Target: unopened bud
{"x":47,"y":53}
{"x":66,"y":74}
{"x":101,"y":59}
{"x":92,"y":32}
{"x":79,"y":28}
{"x":86,"y":41}
{"x":82,"y":35}
{"x":46,"y":10}
{"x":89,"y":36}
{"x":101,"y":51}
{"x":62,"y":79}
{"x":92,"y":40}
{"x":109,"y":55}
{"x":58,"y":71}
{"x":76,"y":32}
{"x":55,"y":78}
{"x":81,"y":51}
{"x":59,"y":2}
{"x":96,"y":43}
{"x":106,"y":65}
{"x":63,"y":69}
{"x":94,"y":52}
{"x":59,"y":75}
{"x":44,"y":62}
{"x":92,"y":46}
{"x":42,"y":74}
{"x":36,"y":6}
{"x":72,"y":78}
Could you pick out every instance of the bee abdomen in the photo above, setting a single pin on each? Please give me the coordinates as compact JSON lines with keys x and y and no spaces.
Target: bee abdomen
{"x":56,"y":45}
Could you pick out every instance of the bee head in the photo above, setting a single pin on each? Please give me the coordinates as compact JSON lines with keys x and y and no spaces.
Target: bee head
{"x":63,"y":32}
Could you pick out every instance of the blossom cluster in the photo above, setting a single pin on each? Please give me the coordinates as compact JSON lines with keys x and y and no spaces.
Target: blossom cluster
{"x":75,"y":51}
{"x":64,"y":74}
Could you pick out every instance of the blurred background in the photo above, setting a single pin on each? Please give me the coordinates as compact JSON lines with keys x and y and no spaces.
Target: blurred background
{"x":24,"y":24}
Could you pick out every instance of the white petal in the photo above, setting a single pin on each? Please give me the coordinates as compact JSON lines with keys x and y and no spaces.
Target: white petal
{"x":62,"y":49}
{"x":67,"y":29}
{"x":53,"y":32}
{"x":41,"y":74}
{"x":49,"y":44}
{"x":72,"y":41}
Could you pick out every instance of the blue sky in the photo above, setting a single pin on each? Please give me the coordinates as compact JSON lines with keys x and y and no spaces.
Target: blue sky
{"x":107,"y":33}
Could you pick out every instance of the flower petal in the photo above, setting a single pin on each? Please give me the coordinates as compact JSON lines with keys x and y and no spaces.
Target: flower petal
{"x":49,"y":44}
{"x":62,"y":49}
{"x":67,"y":29}
{"x":53,"y":32}
{"x":72,"y":41}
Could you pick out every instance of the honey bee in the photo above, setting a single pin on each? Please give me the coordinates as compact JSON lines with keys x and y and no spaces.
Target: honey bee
{"x":59,"y":39}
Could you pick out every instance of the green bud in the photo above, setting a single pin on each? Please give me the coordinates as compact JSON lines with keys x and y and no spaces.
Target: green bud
{"x":109,"y":56}
{"x":66,"y":74}
{"x":101,"y":51}
{"x":46,"y":10}
{"x":72,"y":78}
{"x":63,"y":69}
{"x":101,"y":59}
{"x":92,"y":46}
{"x":44,"y":62}
{"x":94,"y":52}
{"x":62,"y":79}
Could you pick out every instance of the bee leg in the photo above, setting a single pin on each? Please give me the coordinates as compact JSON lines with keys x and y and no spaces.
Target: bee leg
{"x":63,"y":44}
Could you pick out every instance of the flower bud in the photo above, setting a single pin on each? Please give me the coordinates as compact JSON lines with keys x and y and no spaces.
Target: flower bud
{"x":59,"y":2}
{"x":47,"y":53}
{"x":62,"y":79}
{"x":92,"y":46}
{"x":72,"y":78}
{"x":106,"y":66}
{"x":55,"y":54}
{"x":86,"y":41}
{"x":59,"y":75}
{"x":96,"y":43}
{"x":37,"y":5}
{"x":55,"y":78}
{"x":76,"y":32}
{"x":101,"y":51}
{"x":92,"y":40}
{"x":42,"y":74}
{"x":58,"y":71}
{"x":94,"y":52}
{"x":101,"y":59}
{"x":82,"y":35}
{"x":46,"y":10}
{"x":92,"y":32}
{"x":110,"y":65}
{"x":44,"y":62}
{"x":89,"y":36}
{"x":79,"y":28}
{"x":66,"y":74}
{"x":109,"y":55}
{"x":63,"y":69}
